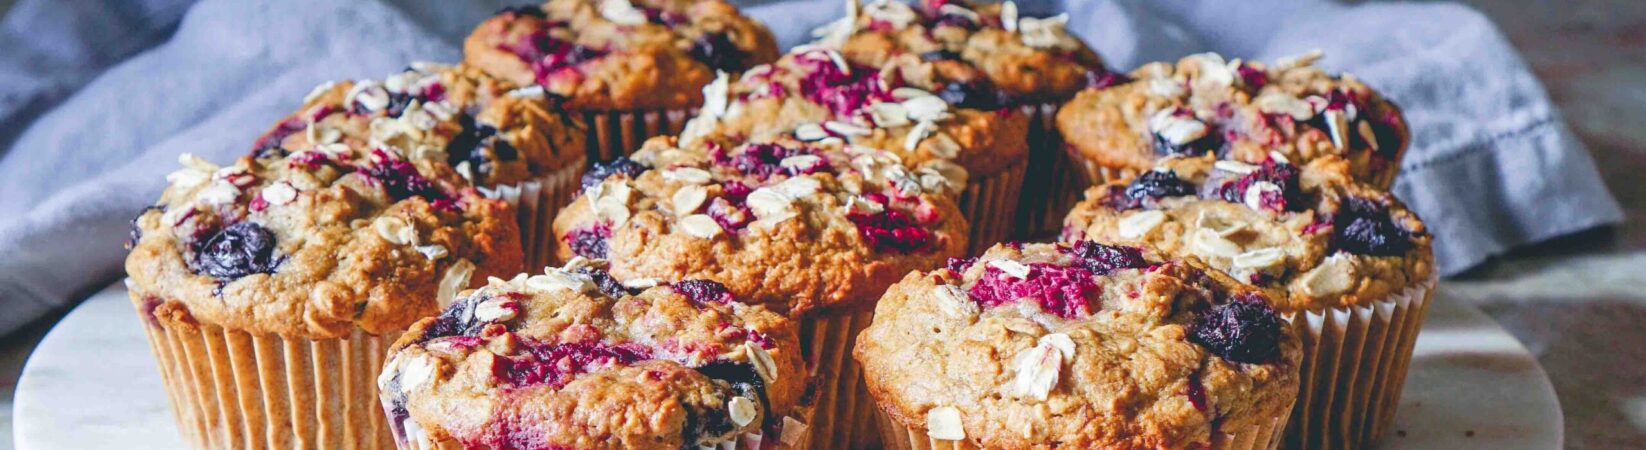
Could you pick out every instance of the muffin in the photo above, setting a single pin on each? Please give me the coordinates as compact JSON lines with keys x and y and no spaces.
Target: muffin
{"x":515,"y":144}
{"x":631,"y":70}
{"x":573,"y":358}
{"x":1348,"y":266}
{"x":271,"y":287}
{"x":1239,"y":110}
{"x":997,"y":59}
{"x":812,"y":94}
{"x":816,"y":230}
{"x":1083,"y":345}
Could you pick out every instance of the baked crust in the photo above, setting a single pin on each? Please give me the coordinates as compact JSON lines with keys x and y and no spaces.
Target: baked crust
{"x":642,"y":368}
{"x":315,"y":246}
{"x":611,"y":55}
{"x":814,"y":88}
{"x":1241,"y":110}
{"x":1313,"y":270}
{"x":798,"y":247}
{"x":1030,"y":60}
{"x":490,"y":131}
{"x":1132,"y":379}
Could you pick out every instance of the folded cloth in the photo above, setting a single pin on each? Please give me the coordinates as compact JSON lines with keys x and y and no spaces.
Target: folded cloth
{"x":99,"y":100}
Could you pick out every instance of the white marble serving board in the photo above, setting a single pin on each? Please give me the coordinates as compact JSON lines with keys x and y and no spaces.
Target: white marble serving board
{"x":92,"y":384}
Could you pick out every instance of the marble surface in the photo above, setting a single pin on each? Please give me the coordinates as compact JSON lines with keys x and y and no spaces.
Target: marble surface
{"x":92,"y":381}
{"x":1578,"y":304}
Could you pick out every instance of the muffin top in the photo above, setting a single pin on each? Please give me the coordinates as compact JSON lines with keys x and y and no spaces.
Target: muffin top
{"x":1309,"y":234}
{"x":614,"y":55}
{"x":813,"y":94}
{"x":315,"y":244}
{"x":1240,"y":110}
{"x":490,"y":132}
{"x":573,"y":358}
{"x":794,"y":225}
{"x":1017,"y":60}
{"x":1080,"y":345}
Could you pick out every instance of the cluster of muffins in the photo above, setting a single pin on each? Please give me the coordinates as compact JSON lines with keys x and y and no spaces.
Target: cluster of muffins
{"x":636,"y":224}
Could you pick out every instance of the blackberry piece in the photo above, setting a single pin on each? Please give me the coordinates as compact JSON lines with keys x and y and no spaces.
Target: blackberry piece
{"x":1364,"y":227}
{"x":601,"y":170}
{"x":1245,"y":330}
{"x":703,"y":291}
{"x":1104,"y":259}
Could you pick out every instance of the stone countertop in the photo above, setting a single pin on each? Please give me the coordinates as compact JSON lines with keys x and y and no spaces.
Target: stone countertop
{"x":1578,"y":303}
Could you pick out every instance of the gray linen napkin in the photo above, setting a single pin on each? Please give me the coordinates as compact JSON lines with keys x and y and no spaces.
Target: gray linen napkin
{"x":98,"y":98}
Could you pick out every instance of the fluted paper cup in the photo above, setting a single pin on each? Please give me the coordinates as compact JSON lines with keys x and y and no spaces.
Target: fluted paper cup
{"x":619,"y":133}
{"x":536,"y":202}
{"x":1354,"y":367}
{"x":844,"y":412}
{"x":989,"y":203}
{"x":232,"y":389}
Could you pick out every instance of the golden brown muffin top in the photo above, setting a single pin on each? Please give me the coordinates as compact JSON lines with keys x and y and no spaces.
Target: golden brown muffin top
{"x":315,"y":244}
{"x":617,"y":55}
{"x":573,"y":358}
{"x":1006,"y":58}
{"x":1080,"y":345}
{"x":813,"y":94}
{"x":1240,"y":110}
{"x":489,"y":131}
{"x":1310,"y":235}
{"x":795,"y":225}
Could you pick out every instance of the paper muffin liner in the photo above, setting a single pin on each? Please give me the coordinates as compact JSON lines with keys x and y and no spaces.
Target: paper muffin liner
{"x":619,"y":133}
{"x":536,"y":202}
{"x":1265,"y":436}
{"x":989,"y":203}
{"x":844,"y":411}
{"x":232,"y":389}
{"x":1354,"y":367}
{"x":1056,"y":184}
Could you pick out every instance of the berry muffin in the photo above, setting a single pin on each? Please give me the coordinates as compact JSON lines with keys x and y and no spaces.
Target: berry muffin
{"x":992,"y":58}
{"x":515,"y":144}
{"x":1347,"y":264}
{"x":816,"y":230}
{"x":1083,"y":345}
{"x":1239,"y":110}
{"x":631,"y":70}
{"x":573,"y":358}
{"x":813,"y":94}
{"x":272,"y":286}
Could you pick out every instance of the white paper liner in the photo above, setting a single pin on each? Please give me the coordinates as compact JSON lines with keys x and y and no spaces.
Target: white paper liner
{"x":231,"y":389}
{"x":1266,"y":436}
{"x":1354,"y":367}
{"x":536,"y":202}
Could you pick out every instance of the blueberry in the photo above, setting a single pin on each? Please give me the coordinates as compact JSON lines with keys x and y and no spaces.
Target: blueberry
{"x":1211,"y":142}
{"x":1282,"y":175}
{"x":601,"y":170}
{"x":1157,"y":184}
{"x":713,"y":423}
{"x":456,"y":320}
{"x":939,"y":55}
{"x":603,"y":279}
{"x":1365,"y":228}
{"x":468,"y":145}
{"x":1103,"y":259}
{"x":719,"y":52}
{"x":703,"y":291}
{"x":589,"y":242}
{"x":976,"y":94}
{"x":1244,"y":329}
{"x":236,"y":251}
{"x":136,"y":233}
